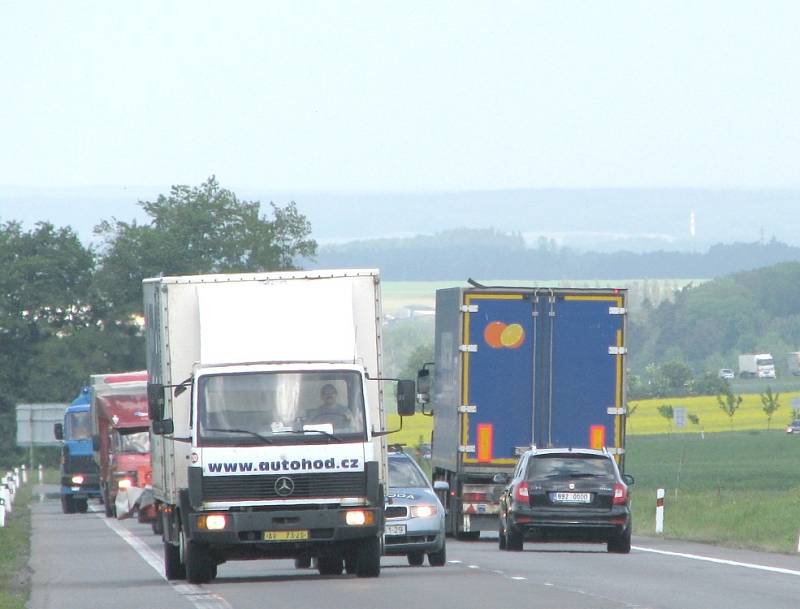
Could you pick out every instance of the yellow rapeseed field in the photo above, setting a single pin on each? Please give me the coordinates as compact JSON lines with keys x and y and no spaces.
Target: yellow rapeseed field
{"x":646,"y":419}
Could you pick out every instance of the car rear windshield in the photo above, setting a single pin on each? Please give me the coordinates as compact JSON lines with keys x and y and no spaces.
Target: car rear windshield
{"x":569,"y":466}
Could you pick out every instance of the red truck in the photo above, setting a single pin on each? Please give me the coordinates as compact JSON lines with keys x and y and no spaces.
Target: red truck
{"x":121,"y":439}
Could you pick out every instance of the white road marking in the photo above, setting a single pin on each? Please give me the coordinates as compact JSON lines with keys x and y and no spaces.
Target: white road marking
{"x":719,"y":561}
{"x":197,"y":595}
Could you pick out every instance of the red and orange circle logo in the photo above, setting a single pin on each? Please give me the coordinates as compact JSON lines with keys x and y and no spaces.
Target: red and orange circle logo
{"x":504,"y":336}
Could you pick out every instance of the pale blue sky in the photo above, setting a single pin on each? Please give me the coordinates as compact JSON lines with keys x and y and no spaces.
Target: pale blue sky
{"x":400,"y":95}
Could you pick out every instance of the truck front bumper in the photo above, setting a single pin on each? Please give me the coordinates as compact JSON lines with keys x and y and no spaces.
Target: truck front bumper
{"x":250,"y":534}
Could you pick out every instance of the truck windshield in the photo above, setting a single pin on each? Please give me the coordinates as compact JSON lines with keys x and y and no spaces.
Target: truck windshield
{"x":79,"y":426}
{"x":764,"y":361}
{"x":280,"y":407}
{"x":137,"y":442}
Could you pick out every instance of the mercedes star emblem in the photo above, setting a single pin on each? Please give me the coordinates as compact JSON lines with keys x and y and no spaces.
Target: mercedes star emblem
{"x":284,"y":486}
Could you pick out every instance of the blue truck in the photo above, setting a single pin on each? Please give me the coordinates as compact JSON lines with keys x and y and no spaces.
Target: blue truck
{"x":80,"y":480}
{"x":515,"y":368}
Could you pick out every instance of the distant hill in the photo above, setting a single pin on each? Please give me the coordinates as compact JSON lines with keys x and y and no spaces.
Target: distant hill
{"x":582,"y":219}
{"x":465,"y":253}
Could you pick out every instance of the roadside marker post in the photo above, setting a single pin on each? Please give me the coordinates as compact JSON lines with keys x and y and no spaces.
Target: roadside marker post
{"x":2,"y":512}
{"x":660,"y":510}
{"x":24,"y":475}
{"x":41,"y":475}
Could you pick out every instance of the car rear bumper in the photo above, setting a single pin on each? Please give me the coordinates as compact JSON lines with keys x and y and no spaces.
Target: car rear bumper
{"x":566,"y":523}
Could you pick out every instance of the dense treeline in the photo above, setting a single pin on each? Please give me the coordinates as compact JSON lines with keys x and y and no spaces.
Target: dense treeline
{"x":491,"y":254}
{"x":67,"y":311}
{"x":708,"y":326}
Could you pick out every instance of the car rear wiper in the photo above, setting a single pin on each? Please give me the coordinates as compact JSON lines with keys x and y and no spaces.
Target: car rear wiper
{"x":245,"y":431}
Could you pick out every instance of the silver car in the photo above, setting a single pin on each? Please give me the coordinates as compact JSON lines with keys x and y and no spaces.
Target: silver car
{"x":414,"y":515}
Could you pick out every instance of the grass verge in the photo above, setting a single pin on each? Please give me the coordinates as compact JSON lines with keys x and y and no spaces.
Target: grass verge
{"x":15,"y":547}
{"x":739,"y":489}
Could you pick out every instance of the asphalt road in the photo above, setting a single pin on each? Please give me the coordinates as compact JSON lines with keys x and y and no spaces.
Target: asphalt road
{"x":85,"y":561}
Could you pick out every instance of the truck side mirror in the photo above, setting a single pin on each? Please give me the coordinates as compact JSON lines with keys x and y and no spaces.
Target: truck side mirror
{"x":406,"y":395}
{"x":58,"y":431}
{"x":163,"y":427}
{"x":424,"y":385}
{"x":155,"y":401}
{"x":95,"y":442}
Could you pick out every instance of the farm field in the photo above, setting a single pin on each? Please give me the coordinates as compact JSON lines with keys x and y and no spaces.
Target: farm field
{"x":398,"y":294}
{"x":647,"y":421}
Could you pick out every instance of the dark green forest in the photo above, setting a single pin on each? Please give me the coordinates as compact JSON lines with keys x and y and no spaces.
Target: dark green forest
{"x":492,"y":254}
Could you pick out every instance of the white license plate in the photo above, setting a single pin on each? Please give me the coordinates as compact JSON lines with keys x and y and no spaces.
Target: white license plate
{"x":395,"y":529}
{"x":573,"y":497}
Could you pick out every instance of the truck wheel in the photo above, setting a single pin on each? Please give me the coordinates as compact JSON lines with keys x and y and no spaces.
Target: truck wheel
{"x":197,"y":562}
{"x":107,"y":505}
{"x":369,"y":558}
{"x":157,"y":525}
{"x":173,"y":569}
{"x":438,"y":559}
{"x":469,"y":536}
{"x":82,"y":505}
{"x":329,"y":564}
{"x":501,"y":537}
{"x":415,"y":559}
{"x":67,"y":504}
{"x":513,"y":540}
{"x":350,"y":564}
{"x":302,"y":562}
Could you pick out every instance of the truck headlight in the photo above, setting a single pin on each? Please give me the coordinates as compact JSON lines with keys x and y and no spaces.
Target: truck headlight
{"x":359,"y":518}
{"x":212,"y":522}
{"x":124,"y":484}
{"x":77,"y":479}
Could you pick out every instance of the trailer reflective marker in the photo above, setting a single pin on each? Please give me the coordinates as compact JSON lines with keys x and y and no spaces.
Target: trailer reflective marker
{"x":484,"y":448}
{"x":597,"y":436}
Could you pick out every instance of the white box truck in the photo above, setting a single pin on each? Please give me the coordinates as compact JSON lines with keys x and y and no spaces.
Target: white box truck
{"x":756,"y":365}
{"x":266,"y":396}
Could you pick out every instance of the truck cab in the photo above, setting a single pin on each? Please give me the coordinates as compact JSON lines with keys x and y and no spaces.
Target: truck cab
{"x":79,"y":476}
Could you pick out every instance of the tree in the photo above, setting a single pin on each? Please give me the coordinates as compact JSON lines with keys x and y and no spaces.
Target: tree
{"x":769,"y":404}
{"x":677,"y":377}
{"x":729,"y":404}
{"x":193,"y":230}
{"x":666,"y":411}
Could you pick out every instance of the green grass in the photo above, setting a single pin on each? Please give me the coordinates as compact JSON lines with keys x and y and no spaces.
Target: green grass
{"x":738,"y":489}
{"x":15,"y":551}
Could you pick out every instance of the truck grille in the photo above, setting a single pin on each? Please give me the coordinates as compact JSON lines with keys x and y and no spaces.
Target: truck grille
{"x":80,"y":465}
{"x":306,"y":486}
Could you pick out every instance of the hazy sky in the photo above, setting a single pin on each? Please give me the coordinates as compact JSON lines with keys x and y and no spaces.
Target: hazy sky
{"x":400,"y":95}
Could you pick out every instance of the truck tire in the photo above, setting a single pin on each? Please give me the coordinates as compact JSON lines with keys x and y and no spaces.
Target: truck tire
{"x":173,"y":569}
{"x":415,"y":559}
{"x":197,"y":562}
{"x":369,"y":558}
{"x":350,"y":564}
{"x":109,"y":509}
{"x":330,"y":564}
{"x":501,"y":537}
{"x":438,"y":559}
{"x":67,"y":504}
{"x":302,"y":562}
{"x":468,"y":536}
{"x":82,"y":505}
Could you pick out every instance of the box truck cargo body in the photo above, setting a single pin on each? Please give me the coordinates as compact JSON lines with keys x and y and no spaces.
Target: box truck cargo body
{"x":515,"y":368}
{"x":247,"y":460}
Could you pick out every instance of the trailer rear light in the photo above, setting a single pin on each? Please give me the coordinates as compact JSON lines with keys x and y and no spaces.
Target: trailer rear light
{"x":212,"y":522}
{"x":359,"y":518}
{"x":77,"y":479}
{"x":521,"y":492}
{"x":475,"y":497}
{"x":125,"y":483}
{"x":519,"y":519}
{"x":620,"y":494}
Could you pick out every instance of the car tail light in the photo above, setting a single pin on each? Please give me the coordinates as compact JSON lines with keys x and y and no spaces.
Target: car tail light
{"x":521,"y":492}
{"x":620,"y":494}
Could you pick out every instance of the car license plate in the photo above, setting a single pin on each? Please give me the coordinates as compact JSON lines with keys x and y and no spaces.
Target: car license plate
{"x":285,"y":535}
{"x":573,"y":497}
{"x":395,"y":529}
